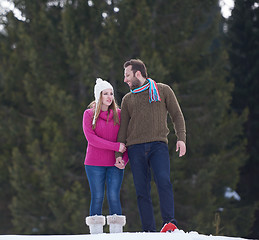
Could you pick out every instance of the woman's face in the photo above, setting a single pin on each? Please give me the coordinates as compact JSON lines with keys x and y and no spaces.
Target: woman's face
{"x":107,"y":97}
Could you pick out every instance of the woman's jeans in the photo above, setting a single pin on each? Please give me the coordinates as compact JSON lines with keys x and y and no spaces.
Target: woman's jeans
{"x":143,"y":158}
{"x":98,"y":176}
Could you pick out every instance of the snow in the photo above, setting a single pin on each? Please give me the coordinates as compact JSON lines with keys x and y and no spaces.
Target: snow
{"x":226,"y":7}
{"x":230,"y":193}
{"x":176,"y":235}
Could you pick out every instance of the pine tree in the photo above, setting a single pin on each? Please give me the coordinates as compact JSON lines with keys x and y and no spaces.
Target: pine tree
{"x":49,"y":195}
{"x":11,"y":69}
{"x":48,"y":66}
{"x":182,"y":42}
{"x":242,"y":36}
{"x":196,"y":60}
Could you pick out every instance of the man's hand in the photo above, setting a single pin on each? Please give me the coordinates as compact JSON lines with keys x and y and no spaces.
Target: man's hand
{"x":122,"y":148}
{"x":181,"y":145}
{"x":119,"y":163}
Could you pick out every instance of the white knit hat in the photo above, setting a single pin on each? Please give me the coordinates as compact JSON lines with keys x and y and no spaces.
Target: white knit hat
{"x":98,"y":88}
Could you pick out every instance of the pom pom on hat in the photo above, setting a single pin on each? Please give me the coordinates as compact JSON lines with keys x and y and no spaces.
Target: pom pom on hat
{"x":98,"y":88}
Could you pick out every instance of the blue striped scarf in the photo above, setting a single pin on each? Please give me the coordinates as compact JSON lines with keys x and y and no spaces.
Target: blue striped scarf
{"x":154,"y":95}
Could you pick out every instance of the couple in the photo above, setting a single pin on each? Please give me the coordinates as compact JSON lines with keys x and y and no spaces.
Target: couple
{"x":141,"y":126}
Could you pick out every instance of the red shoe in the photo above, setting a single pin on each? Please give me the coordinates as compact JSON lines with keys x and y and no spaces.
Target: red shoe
{"x":168,"y":227}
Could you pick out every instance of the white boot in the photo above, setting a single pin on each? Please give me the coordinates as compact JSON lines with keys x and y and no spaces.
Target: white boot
{"x":116,"y":223}
{"x":95,"y":223}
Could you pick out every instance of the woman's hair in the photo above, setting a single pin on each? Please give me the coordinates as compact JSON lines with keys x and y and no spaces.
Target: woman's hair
{"x":114,"y":107}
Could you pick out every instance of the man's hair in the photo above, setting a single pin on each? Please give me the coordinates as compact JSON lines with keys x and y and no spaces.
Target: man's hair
{"x":137,"y":65}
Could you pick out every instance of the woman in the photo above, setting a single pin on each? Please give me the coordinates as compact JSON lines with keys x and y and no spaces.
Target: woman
{"x":101,"y":125}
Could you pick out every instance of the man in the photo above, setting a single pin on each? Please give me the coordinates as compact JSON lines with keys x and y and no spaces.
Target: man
{"x":144,"y":131}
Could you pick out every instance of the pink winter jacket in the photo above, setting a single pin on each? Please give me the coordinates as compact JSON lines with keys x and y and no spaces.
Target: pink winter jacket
{"x":101,"y":141}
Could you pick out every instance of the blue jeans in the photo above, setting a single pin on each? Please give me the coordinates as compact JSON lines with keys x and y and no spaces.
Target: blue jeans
{"x":98,"y":176}
{"x":144,"y":157}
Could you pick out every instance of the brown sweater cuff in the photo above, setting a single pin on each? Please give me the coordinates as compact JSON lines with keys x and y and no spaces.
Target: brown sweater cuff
{"x":182,"y":137}
{"x":118,"y":154}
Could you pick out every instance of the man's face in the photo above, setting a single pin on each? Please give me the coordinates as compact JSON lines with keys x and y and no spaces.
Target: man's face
{"x":130,"y":79}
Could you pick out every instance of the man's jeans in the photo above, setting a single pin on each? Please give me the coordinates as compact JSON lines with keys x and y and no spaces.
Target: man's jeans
{"x":97,"y":177}
{"x":142,"y":157}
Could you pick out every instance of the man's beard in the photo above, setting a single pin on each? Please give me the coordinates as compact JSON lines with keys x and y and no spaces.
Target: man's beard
{"x":135,"y":83}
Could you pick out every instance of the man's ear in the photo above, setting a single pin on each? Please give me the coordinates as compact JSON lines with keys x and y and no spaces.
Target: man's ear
{"x":138,"y":74}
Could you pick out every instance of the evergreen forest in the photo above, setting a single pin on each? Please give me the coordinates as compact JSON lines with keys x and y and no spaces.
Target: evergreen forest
{"x":49,"y":61}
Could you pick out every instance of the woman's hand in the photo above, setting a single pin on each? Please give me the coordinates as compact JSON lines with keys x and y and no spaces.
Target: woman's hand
{"x":119,"y":163}
{"x":122,"y":148}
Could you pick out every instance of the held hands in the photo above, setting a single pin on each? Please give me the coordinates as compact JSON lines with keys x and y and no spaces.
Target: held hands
{"x":181,"y":145}
{"x":119,"y":163}
{"x":122,"y":148}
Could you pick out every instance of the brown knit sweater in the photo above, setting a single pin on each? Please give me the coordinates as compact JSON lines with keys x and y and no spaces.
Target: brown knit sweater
{"x":142,"y":121}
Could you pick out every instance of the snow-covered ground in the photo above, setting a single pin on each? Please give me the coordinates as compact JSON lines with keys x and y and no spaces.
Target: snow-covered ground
{"x":176,"y":235}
